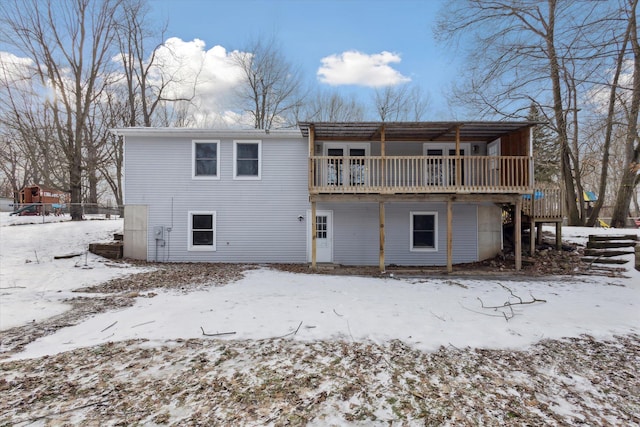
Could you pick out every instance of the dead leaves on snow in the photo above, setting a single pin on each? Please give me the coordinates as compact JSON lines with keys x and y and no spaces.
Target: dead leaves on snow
{"x":284,"y":382}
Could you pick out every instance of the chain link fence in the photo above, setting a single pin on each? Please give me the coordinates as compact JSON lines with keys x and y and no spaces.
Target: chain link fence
{"x":50,"y":212}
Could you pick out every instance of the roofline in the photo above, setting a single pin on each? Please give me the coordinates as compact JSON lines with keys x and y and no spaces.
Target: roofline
{"x":435,"y":130}
{"x":424,"y":123}
{"x":206,"y":132}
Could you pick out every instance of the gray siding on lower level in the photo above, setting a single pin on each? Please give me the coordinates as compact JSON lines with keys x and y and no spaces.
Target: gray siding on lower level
{"x":356,"y":233}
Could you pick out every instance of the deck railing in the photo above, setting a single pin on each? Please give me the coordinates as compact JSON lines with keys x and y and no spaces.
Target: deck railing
{"x":420,"y":174}
{"x":544,"y":202}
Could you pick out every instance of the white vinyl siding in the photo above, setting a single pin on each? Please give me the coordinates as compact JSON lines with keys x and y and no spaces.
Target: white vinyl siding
{"x":202,"y":231}
{"x":247,"y":159}
{"x":256,"y":220}
{"x":206,"y":159}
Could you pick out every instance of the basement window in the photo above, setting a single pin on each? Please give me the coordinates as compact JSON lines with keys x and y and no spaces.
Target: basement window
{"x":424,"y":231}
{"x":202,"y":231}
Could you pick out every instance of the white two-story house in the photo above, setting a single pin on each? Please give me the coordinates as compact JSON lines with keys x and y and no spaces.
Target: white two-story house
{"x":406,"y":194}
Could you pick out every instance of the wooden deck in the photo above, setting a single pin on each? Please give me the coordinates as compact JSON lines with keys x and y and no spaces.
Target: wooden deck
{"x":420,"y":175}
{"x":543,"y":205}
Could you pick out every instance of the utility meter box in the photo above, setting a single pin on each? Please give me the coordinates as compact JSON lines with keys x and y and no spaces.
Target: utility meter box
{"x":158,"y":232}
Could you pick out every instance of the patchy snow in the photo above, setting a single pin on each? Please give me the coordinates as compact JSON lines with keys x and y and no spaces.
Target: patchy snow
{"x":425,"y":313}
{"x":32,"y":283}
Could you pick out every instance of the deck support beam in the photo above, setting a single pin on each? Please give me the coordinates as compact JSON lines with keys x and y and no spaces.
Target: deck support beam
{"x":312,"y":152}
{"x":517,"y":232}
{"x":458,"y":168}
{"x":313,"y":236}
{"x":539,"y":234}
{"x":382,"y":236}
{"x":449,"y":235}
{"x":532,"y":236}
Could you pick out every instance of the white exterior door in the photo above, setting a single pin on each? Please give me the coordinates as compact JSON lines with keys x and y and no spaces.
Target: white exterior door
{"x":443,"y":172}
{"x":347,"y":174}
{"x":324,"y":236}
{"x":493,"y":150}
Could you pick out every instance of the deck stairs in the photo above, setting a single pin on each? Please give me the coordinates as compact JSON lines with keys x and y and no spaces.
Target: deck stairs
{"x":608,"y":249}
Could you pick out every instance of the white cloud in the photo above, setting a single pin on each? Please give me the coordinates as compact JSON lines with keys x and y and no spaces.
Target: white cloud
{"x":357,"y":68}
{"x":598,"y":96}
{"x":14,"y":68}
{"x":190,"y":70}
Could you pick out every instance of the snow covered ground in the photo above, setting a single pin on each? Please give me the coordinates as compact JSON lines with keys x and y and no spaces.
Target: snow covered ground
{"x":356,"y":350}
{"x":33,"y":283}
{"x":424,"y":313}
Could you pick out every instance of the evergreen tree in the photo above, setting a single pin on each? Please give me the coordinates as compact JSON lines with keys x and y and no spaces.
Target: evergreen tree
{"x":545,"y":151}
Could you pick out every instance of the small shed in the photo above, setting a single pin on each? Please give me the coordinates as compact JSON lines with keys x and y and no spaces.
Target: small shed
{"x":36,"y":200}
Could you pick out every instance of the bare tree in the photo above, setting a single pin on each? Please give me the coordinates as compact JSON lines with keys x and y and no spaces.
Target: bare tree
{"x":14,"y":166}
{"x":147,"y":81}
{"x":535,"y":52}
{"x":271,"y":91}
{"x":325,"y":106}
{"x":71,"y":45}
{"x":398,"y":103}
{"x":631,"y":171}
{"x":27,"y":126}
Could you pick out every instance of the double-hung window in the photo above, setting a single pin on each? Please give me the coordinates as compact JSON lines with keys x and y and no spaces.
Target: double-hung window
{"x":424,"y":231}
{"x":206,"y":160}
{"x":202,"y":231}
{"x":247,"y":159}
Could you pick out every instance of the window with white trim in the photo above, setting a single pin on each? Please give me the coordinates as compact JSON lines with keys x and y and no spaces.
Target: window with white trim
{"x":247,"y":159}
{"x":424,"y":231}
{"x":202,"y":231}
{"x":206,"y":159}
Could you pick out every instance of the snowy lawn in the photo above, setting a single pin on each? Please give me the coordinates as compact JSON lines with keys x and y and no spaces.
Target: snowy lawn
{"x":32,"y":283}
{"x":388,"y":343}
{"x":424,"y":313}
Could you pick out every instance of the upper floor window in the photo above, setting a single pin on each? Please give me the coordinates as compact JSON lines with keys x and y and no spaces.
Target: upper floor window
{"x":247,"y":159}
{"x":424,"y":231}
{"x":206,"y":159}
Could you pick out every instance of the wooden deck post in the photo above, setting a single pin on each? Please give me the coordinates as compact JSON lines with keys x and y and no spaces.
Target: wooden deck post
{"x":449,"y":236}
{"x":559,"y":235}
{"x":383,"y":153}
{"x":381,"y":215}
{"x":458,"y":168}
{"x":517,"y":231}
{"x":539,"y":234}
{"x":313,"y":235}
{"x":532,"y":237}
{"x":312,"y":152}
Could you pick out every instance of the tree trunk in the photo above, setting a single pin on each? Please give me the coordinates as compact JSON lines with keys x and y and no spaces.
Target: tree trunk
{"x":629,"y":177}
{"x":75,"y":184}
{"x":565,"y":162}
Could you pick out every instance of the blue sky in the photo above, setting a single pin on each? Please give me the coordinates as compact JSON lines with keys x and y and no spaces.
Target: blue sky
{"x":311,"y":30}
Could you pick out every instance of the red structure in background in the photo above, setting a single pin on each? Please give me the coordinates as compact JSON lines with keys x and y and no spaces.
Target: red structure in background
{"x":38,"y":200}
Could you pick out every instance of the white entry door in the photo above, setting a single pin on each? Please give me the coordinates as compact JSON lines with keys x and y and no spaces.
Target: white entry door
{"x":493,"y":150}
{"x":324,"y":236}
